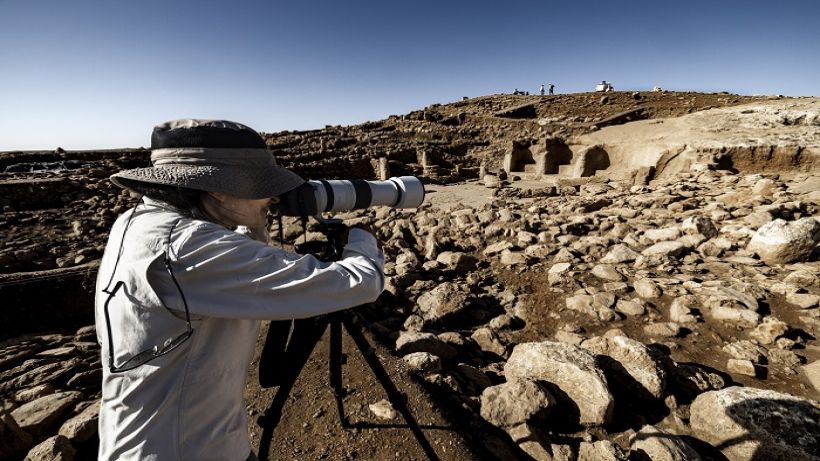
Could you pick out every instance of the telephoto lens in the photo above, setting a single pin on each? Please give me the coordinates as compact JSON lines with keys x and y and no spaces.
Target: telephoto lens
{"x":316,"y":197}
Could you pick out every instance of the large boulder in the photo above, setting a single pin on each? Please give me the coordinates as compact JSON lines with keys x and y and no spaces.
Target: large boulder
{"x":629,"y":363}
{"x":515,"y":402}
{"x":753,"y":424}
{"x":573,"y":374}
{"x":782,"y":242}
{"x":56,"y":448}
{"x":82,"y":426}
{"x":443,"y":301}
{"x":15,"y":440}
{"x":657,"y":445}
{"x":37,"y":416}
{"x":602,"y":450}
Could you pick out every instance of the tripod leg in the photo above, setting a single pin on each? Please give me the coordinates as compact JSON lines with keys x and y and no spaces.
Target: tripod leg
{"x":305,"y":335}
{"x":397,"y":399}
{"x":336,"y":368}
{"x":273,"y":353}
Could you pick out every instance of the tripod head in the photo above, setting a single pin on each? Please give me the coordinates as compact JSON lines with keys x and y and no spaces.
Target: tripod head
{"x":331,"y":248}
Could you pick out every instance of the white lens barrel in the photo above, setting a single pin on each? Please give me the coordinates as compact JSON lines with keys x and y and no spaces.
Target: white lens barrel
{"x":412,"y":192}
{"x":343,"y":195}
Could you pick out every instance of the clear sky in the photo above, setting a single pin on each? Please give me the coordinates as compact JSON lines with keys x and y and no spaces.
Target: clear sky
{"x":100,"y":74}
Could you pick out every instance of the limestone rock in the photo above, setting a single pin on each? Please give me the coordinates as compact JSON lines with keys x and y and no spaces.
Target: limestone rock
{"x":423,"y":361}
{"x":457,"y":261}
{"x":803,"y":300}
{"x":741,"y":367}
{"x":83,"y":426}
{"x":636,"y":367}
{"x":752,"y":424}
{"x":630,"y":307}
{"x":572,"y":370}
{"x":15,"y":440}
{"x":782,"y":242}
{"x":661,"y":446}
{"x":607,"y":272}
{"x":513,"y":258}
{"x":745,"y":350}
{"x":383,"y":410}
{"x":37,"y":416}
{"x":681,"y":310}
{"x":602,"y":450}
{"x":515,"y":402}
{"x":699,"y":225}
{"x":488,"y":341}
{"x":662,"y":235}
{"x":43,"y":374}
{"x":534,"y":442}
{"x":769,"y":330}
{"x":662,"y":330}
{"x":646,"y":289}
{"x":497,"y":248}
{"x":445,"y":300}
{"x":34,"y":393}
{"x":556,"y":272}
{"x":695,"y":379}
{"x":671,"y":249}
{"x":581,"y":303}
{"x":409,"y":342}
{"x":620,"y":253}
{"x":730,"y":305}
{"x":56,"y":448}
{"x":812,"y":372}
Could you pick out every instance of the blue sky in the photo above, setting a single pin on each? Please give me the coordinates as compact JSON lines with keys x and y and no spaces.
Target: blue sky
{"x":99,"y":74}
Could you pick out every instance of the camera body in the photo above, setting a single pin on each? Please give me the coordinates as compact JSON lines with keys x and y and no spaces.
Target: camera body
{"x":315,"y":197}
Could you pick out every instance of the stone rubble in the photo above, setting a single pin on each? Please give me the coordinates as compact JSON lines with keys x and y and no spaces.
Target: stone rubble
{"x":670,"y":292}
{"x":675,"y":259}
{"x":50,"y":389}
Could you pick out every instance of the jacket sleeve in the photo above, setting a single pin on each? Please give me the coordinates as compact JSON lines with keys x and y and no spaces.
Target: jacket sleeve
{"x":225,"y":274}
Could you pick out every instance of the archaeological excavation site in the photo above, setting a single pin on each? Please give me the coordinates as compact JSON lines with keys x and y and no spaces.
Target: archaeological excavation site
{"x":592,"y":276}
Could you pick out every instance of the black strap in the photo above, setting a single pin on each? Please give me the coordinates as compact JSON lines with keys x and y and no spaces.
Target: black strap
{"x":364,"y":196}
{"x":329,"y":193}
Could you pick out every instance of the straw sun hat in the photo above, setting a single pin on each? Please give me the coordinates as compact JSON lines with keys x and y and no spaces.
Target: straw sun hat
{"x":213,"y":156}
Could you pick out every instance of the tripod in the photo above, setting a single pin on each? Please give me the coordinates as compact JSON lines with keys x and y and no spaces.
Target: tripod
{"x":285,"y":355}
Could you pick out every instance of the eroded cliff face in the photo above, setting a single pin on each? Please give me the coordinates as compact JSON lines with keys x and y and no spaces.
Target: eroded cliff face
{"x":663,"y":291}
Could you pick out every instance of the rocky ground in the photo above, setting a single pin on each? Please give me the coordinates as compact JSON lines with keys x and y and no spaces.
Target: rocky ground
{"x":598,"y":318}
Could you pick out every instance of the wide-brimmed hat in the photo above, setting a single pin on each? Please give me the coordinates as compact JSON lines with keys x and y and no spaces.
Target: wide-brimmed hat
{"x":212,"y":156}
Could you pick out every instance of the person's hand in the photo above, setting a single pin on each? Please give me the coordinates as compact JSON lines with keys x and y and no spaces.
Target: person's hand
{"x":365,"y":228}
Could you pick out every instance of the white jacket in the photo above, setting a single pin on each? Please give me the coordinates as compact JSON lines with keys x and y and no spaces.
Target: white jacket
{"x":188,"y":404}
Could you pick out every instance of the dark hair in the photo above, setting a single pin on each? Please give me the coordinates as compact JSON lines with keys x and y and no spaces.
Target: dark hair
{"x":187,"y":202}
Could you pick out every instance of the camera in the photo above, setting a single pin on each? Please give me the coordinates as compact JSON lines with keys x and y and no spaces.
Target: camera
{"x":315,"y":197}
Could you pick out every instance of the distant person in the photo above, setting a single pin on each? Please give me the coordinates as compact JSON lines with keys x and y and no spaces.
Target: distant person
{"x":552,"y":87}
{"x":516,"y":92}
{"x":186,"y":277}
{"x":542,"y":90}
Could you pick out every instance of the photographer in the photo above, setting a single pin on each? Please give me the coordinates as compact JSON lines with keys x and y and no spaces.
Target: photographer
{"x":180,"y":293}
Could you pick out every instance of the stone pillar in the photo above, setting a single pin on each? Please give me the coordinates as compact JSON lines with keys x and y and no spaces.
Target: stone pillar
{"x":384,"y":169}
{"x":424,"y":159}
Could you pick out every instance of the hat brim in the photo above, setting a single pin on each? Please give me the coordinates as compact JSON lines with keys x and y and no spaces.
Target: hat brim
{"x":255,"y":183}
